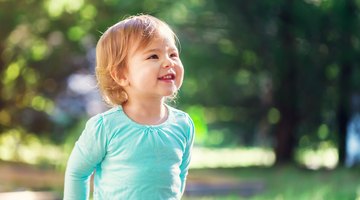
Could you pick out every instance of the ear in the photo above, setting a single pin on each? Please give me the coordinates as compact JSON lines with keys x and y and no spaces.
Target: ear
{"x":119,"y":78}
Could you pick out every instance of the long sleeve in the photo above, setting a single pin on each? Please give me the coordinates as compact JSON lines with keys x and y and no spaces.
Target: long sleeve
{"x":184,"y":167}
{"x":87,"y":153}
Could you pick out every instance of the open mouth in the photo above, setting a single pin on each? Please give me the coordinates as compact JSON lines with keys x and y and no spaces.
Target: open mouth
{"x":167,"y":77}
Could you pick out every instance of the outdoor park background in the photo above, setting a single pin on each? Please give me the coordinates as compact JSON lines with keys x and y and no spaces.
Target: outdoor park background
{"x":272,"y":86}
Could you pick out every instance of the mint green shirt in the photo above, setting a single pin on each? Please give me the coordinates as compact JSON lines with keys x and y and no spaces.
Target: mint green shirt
{"x":131,"y":161}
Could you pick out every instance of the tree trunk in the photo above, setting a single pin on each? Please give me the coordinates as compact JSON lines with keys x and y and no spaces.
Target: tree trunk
{"x":343,"y":111}
{"x":347,"y":59}
{"x":285,"y":91}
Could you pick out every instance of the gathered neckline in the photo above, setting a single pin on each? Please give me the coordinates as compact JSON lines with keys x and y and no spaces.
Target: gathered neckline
{"x":131,"y":121}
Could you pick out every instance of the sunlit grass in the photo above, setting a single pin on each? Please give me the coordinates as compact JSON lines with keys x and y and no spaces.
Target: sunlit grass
{"x":286,"y":182}
{"x":231,"y":157}
{"x":325,"y":155}
{"x":16,"y":145}
{"x":221,"y":165}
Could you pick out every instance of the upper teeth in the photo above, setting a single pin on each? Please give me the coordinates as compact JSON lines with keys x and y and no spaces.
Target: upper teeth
{"x":168,"y":76}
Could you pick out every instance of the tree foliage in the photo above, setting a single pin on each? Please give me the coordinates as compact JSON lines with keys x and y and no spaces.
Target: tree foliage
{"x":275,"y":73}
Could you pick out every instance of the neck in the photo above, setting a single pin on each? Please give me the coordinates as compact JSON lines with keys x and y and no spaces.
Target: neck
{"x":146,"y":112}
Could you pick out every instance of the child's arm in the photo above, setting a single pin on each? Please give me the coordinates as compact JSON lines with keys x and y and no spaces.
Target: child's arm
{"x":184,"y":167}
{"x":88,"y":152}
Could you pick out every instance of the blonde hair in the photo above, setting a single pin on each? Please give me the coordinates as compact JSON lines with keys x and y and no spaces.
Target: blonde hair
{"x":114,"y":47}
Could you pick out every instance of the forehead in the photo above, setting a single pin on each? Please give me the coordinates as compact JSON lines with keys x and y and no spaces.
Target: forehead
{"x":160,"y":38}
{"x":164,"y":39}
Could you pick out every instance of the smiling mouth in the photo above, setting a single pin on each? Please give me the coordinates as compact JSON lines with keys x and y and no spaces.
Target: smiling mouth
{"x":167,"y":77}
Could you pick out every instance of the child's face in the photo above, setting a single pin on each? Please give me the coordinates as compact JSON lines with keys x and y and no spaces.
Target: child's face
{"x":155,"y":71}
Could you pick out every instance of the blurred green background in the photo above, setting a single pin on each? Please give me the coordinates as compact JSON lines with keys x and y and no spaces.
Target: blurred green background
{"x":271,"y":86}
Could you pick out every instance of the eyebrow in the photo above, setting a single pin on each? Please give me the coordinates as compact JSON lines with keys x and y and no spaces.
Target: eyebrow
{"x":152,"y":50}
{"x":159,"y":50}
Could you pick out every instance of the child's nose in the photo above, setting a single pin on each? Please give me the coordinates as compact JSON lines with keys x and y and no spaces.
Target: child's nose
{"x":168,"y":63}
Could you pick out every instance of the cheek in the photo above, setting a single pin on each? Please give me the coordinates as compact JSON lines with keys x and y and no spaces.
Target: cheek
{"x":180,"y":78}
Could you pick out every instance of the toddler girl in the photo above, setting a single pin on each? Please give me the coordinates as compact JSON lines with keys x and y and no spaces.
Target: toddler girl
{"x":141,"y":147}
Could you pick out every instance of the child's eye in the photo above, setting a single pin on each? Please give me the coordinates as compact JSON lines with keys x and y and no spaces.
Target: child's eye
{"x":174,"y":55}
{"x":153,"y":57}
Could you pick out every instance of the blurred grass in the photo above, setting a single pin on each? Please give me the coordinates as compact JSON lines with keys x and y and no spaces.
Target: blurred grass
{"x":279,"y":182}
{"x":289,"y":182}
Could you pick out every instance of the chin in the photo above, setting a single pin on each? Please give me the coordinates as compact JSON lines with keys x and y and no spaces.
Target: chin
{"x":169,"y":93}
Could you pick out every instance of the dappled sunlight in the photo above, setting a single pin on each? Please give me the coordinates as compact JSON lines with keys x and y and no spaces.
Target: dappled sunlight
{"x":28,"y":195}
{"x":326,"y":157}
{"x":253,"y":71}
{"x":55,"y":8}
{"x":18,"y":146}
{"x":244,"y":157}
{"x":15,"y":145}
{"x":231,"y":157}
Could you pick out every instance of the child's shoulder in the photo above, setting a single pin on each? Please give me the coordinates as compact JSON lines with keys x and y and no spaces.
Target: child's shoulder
{"x":111,"y":112}
{"x":184,"y":120}
{"x":180,"y":115}
{"x":177,"y":112}
{"x":107,"y":115}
